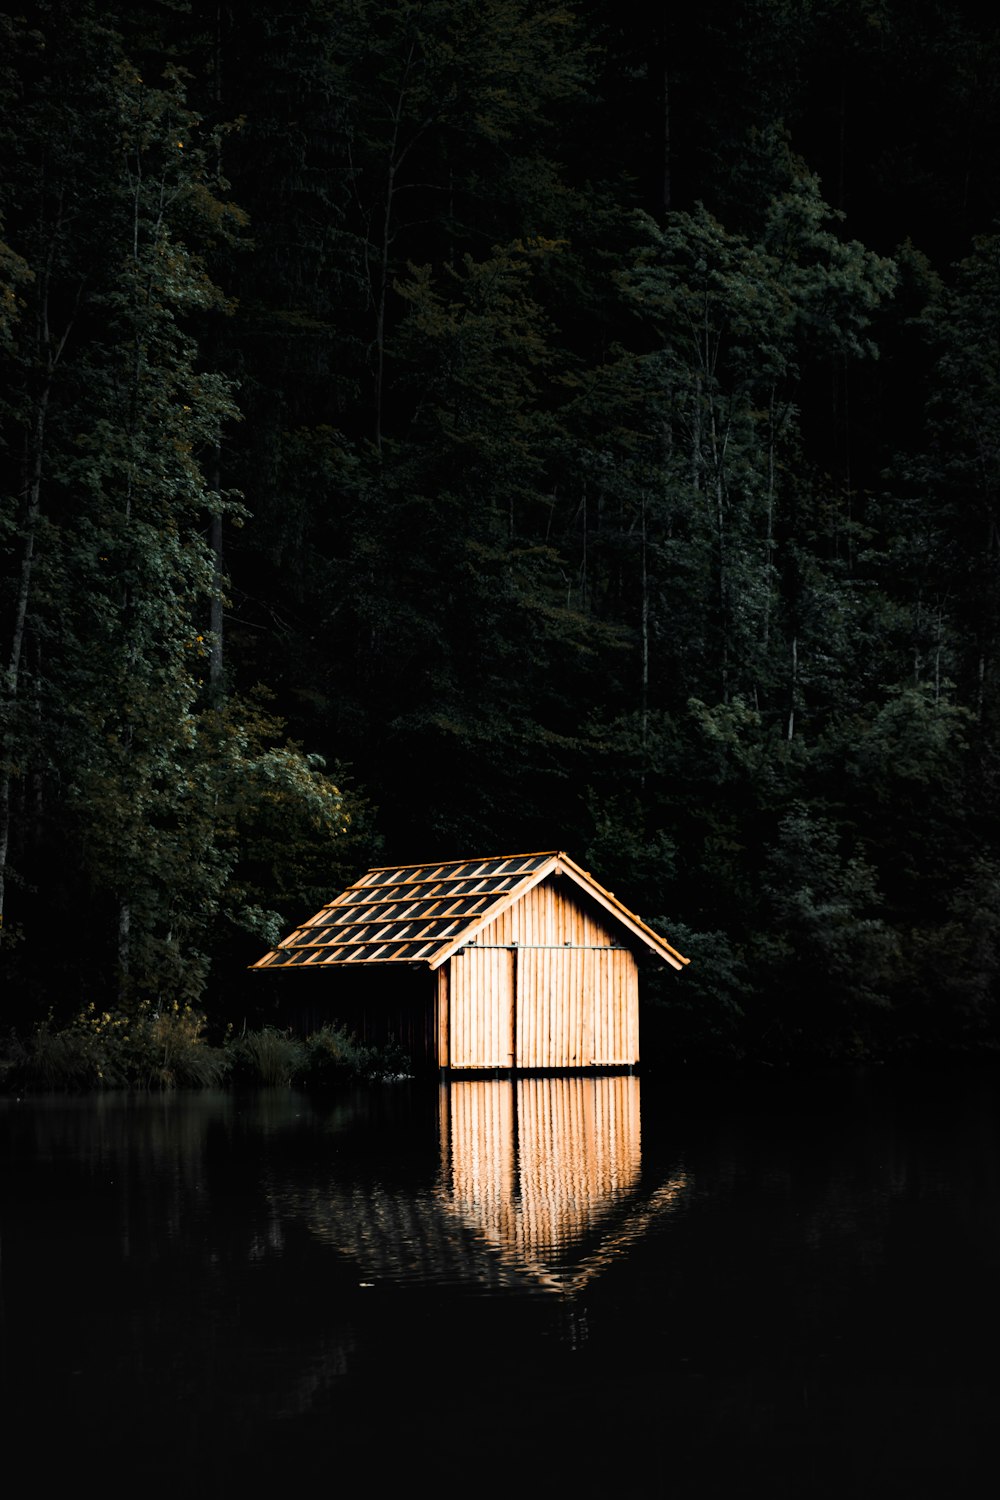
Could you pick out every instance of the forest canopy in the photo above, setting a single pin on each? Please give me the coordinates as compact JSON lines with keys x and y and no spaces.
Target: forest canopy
{"x":451,"y":427}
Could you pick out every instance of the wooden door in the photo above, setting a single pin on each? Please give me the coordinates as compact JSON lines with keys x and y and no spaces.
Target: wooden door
{"x":576,"y":1007}
{"x":481,"y":1008}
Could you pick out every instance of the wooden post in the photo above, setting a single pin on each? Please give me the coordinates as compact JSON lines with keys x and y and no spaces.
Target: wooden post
{"x":515,"y":979}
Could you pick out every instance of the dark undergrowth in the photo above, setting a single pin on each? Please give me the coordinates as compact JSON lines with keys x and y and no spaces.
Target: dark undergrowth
{"x":166,"y":1047}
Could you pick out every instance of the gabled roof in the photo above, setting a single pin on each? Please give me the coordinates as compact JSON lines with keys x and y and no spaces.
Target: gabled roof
{"x":423,"y":913}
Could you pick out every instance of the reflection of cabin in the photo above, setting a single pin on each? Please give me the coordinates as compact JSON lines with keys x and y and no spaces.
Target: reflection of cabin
{"x":532,"y":963}
{"x":540,"y":1187}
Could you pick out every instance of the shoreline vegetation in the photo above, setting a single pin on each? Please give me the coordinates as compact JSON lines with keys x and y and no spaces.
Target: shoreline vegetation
{"x":159,"y":1048}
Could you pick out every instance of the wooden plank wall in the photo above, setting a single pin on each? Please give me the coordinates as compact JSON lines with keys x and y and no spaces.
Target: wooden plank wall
{"x":576,"y":993}
{"x":482,"y":1008}
{"x":577,"y":1008}
{"x":550,"y":914}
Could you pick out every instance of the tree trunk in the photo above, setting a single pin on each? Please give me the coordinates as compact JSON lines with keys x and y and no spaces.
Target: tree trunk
{"x":644,"y":700}
{"x":216,"y":659}
{"x":11,"y":686}
{"x":124,"y":946}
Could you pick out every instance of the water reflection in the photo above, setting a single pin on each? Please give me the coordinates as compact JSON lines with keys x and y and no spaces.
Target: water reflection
{"x":548,"y":1171}
{"x":540,"y":1186}
{"x":227,"y":1295}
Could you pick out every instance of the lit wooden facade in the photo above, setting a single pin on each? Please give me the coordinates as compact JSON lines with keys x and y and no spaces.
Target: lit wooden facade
{"x":533,"y":963}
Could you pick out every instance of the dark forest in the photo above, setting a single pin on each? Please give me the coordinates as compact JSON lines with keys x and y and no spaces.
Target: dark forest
{"x":457,"y":427}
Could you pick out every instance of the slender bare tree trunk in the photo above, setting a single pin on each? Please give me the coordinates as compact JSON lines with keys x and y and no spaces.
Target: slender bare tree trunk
{"x":395,"y":161}
{"x":33,"y":467}
{"x":719,"y":446}
{"x":216,"y":659}
{"x":13,"y":672}
{"x":124,"y":945}
{"x":48,"y":351}
{"x":769,"y":536}
{"x":666,"y":186}
{"x":644,"y":699}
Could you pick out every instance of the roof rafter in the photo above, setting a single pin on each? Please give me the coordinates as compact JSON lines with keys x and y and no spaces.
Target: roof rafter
{"x":396,"y":913}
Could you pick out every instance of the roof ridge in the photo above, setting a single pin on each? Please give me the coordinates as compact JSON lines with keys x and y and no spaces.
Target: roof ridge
{"x":473,"y":859}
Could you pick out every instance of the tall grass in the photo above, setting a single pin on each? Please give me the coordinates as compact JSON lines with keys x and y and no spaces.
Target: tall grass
{"x":265,"y":1057}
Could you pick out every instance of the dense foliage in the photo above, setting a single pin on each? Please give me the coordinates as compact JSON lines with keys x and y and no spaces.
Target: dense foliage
{"x":583,"y":430}
{"x":166,"y":1046}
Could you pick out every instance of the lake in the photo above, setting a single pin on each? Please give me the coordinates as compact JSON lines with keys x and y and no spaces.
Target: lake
{"x":679,"y":1285}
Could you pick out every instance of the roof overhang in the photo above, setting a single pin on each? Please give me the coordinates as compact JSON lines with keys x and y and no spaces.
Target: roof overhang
{"x":422,"y":915}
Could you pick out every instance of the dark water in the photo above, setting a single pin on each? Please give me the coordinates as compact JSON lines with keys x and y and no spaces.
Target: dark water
{"x":784,"y":1286}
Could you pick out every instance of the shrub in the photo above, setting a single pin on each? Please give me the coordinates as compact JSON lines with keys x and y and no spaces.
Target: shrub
{"x":159,"y":1046}
{"x":153,"y":1046}
{"x":333,"y":1055}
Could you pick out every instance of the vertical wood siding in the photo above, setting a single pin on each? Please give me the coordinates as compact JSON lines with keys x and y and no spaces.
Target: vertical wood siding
{"x":547,"y":914}
{"x":482,"y":1008}
{"x":577,"y":1008}
{"x":542,"y":987}
{"x":443,"y":1009}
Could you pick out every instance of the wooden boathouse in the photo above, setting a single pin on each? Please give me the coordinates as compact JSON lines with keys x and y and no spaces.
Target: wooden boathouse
{"x":526,"y":961}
